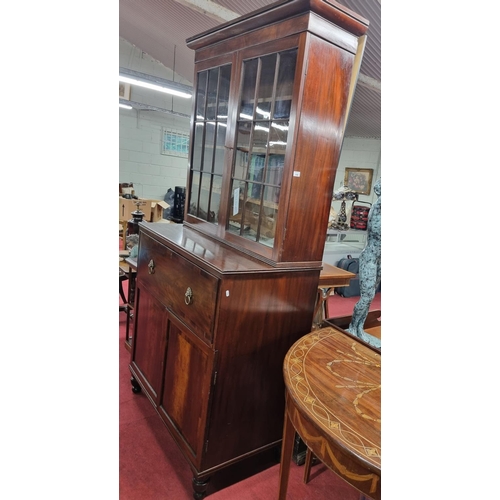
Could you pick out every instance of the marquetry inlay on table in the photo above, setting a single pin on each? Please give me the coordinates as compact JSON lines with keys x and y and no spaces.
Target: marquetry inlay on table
{"x":333,"y":391}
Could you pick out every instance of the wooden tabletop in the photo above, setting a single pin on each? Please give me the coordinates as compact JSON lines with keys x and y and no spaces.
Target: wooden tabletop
{"x":332,"y":276}
{"x":333,"y":390}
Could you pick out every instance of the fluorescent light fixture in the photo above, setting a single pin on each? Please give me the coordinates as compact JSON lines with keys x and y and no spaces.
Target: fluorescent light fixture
{"x":152,"y":86}
{"x":124,"y":106}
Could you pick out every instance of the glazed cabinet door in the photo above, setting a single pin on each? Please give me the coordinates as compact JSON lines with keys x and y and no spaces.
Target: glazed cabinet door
{"x":261,"y":141}
{"x":210,"y":127}
{"x":242,"y":119}
{"x":188,"y":377}
{"x":149,"y":342}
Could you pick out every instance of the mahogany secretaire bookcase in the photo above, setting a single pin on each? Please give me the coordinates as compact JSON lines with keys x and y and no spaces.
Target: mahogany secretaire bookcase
{"x":221,"y":297}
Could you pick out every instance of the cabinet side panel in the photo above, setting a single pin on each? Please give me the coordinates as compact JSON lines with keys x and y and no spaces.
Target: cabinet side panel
{"x":319,"y":140}
{"x":260,"y":318}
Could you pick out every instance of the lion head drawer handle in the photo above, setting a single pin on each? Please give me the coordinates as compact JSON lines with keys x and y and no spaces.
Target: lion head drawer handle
{"x":188,"y":296}
{"x":151,"y":267}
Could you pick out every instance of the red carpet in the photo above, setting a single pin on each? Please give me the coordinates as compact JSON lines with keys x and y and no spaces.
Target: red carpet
{"x":151,"y":466}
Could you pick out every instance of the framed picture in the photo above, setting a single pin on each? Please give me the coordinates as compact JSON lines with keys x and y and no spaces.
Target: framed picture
{"x":125,"y":91}
{"x":359,"y":179}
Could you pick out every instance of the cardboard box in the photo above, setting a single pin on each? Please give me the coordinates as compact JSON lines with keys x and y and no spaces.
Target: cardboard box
{"x":157,"y":208}
{"x":153,"y":209}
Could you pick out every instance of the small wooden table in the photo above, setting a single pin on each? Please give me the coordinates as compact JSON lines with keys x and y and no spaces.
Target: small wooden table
{"x":332,"y":393}
{"x":329,"y":278}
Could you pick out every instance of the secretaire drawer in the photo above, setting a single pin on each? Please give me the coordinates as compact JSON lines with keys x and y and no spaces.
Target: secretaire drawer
{"x":186,"y":289}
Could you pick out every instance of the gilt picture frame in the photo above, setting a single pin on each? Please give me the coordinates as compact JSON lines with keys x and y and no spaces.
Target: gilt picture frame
{"x":359,"y":179}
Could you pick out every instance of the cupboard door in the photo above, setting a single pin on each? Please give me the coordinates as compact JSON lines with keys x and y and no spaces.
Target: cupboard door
{"x":187,"y":387}
{"x":149,"y":342}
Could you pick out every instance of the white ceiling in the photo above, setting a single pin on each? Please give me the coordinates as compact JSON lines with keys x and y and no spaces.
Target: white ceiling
{"x":160,"y":29}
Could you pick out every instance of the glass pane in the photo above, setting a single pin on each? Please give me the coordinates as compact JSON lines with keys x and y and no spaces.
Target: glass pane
{"x":278,"y":137}
{"x":255,"y":173}
{"x":265,"y":92}
{"x":248,"y":89}
{"x":193,"y":196}
{"x":204,"y":196}
{"x":200,"y":95}
{"x":213,"y":81}
{"x":269,"y":215}
{"x":219,"y":148}
{"x":274,"y":175}
{"x":215,"y":200}
{"x":282,"y":108}
{"x":224,"y":81}
{"x":243,"y":141}
{"x":240,"y":165}
{"x":209,"y":147}
{"x":251,"y":215}
{"x":236,"y":207}
{"x":284,"y":87}
{"x":260,"y":137}
{"x":198,"y":142}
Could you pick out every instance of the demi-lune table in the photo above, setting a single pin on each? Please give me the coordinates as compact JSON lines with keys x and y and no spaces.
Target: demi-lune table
{"x":333,"y":387}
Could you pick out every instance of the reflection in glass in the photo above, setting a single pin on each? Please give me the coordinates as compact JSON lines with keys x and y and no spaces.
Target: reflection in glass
{"x":278,"y":136}
{"x":193,"y":196}
{"x":198,"y":142}
{"x":244,"y":131}
{"x":240,"y":165}
{"x":236,"y":207}
{"x":209,"y":139}
{"x":266,"y":84}
{"x":224,"y":80}
{"x":200,"y":95}
{"x":284,"y":85}
{"x":213,"y":77}
{"x":282,"y":108}
{"x":209,"y":147}
{"x":286,"y":71}
{"x":248,"y":90}
{"x":219,"y":148}
{"x":274,"y":175}
{"x":215,"y":200}
{"x":255,"y":173}
{"x":260,"y":136}
{"x":204,"y":196}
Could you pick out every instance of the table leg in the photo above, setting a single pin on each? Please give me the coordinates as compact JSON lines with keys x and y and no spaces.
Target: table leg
{"x":307,"y":466}
{"x":286,"y":454}
{"x":321,"y":309}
